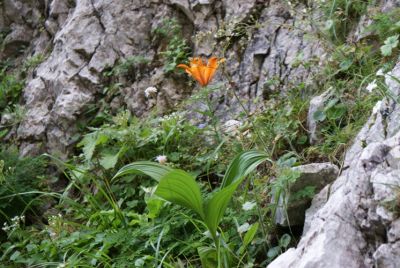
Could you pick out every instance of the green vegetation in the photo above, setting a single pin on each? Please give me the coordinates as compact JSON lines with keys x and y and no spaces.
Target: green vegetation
{"x":20,"y":181}
{"x":175,"y":49}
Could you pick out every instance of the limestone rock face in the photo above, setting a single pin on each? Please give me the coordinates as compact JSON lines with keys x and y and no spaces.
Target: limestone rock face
{"x":291,"y":211}
{"x":352,"y":223}
{"x":82,"y":39}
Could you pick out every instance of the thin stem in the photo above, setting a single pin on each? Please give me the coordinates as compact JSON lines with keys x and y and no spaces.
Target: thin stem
{"x":213,"y":119}
{"x":251,"y":120}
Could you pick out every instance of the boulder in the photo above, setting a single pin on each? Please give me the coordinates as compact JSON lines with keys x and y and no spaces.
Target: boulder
{"x":291,"y":210}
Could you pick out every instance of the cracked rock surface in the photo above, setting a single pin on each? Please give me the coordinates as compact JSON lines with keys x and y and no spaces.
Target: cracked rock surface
{"x":352,"y":223}
{"x":82,"y":39}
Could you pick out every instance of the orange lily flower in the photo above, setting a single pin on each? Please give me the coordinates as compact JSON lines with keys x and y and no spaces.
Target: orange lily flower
{"x":201,"y":72}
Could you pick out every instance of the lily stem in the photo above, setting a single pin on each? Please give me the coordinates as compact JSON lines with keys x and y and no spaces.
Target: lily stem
{"x":251,"y":121}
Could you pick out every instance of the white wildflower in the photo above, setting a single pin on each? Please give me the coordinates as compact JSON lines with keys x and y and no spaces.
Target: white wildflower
{"x":150,"y":91}
{"x":162,"y":159}
{"x":232,"y":126}
{"x":371,"y":86}
{"x":380,"y":72}
{"x":248,"y":205}
{"x":243,"y":228}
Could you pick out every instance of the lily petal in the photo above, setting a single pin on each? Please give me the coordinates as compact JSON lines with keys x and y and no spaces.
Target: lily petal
{"x":209,"y":71}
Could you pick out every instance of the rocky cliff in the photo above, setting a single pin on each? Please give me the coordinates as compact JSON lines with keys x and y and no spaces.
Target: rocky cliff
{"x":263,"y":41}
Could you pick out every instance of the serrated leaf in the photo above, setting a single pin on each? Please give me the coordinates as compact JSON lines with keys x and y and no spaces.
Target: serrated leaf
{"x":108,"y":160}
{"x":386,"y":50}
{"x":89,"y":143}
{"x":179,"y":187}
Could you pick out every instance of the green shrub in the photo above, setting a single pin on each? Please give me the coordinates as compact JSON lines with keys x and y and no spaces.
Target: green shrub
{"x":18,"y":177}
{"x":176,"y":50}
{"x":10,"y":89}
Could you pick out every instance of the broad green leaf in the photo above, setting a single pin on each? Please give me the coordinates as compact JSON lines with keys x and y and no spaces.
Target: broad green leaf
{"x":242,"y":165}
{"x":179,"y":187}
{"x":216,"y":206}
{"x":151,"y":169}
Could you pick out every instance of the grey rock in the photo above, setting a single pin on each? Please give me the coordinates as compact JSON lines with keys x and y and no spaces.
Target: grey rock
{"x":347,"y":226}
{"x":316,"y":104}
{"x":387,"y":256}
{"x":291,"y":212}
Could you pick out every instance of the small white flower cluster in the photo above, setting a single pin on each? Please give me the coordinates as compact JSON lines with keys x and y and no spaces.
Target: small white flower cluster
{"x":174,"y":115}
{"x":15,"y":223}
{"x":150,"y":91}
{"x":162,"y":159}
{"x":54,"y":221}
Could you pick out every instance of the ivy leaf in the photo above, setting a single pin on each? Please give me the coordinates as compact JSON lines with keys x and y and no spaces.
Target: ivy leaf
{"x":390,"y":43}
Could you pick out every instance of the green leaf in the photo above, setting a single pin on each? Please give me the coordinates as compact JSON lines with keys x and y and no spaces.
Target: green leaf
{"x":180,"y":188}
{"x":319,"y":115}
{"x":390,"y":43}
{"x":273,"y":252}
{"x":15,"y":255}
{"x":208,"y":257}
{"x":250,"y":234}
{"x":242,"y":165}
{"x":154,"y":206}
{"x":285,"y":241}
{"x":346,"y":64}
{"x":336,"y":111}
{"x":151,"y":169}
{"x":109,"y":160}
{"x":216,"y":206}
{"x":89,"y":143}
